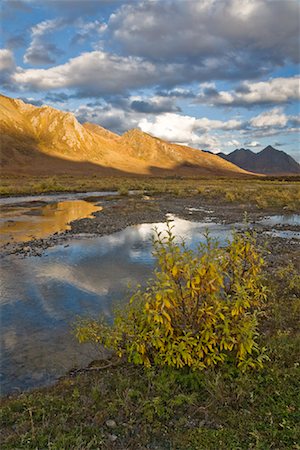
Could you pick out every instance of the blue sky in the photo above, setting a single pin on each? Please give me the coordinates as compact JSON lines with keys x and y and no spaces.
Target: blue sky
{"x":213,"y":74}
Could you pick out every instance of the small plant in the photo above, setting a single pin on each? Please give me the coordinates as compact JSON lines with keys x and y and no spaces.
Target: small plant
{"x":123,"y":190}
{"x":200,"y":309}
{"x":230,"y":196}
{"x":289,"y":279}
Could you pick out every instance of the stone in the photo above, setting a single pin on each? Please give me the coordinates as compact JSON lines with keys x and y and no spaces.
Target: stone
{"x":111,"y":423}
{"x":112,"y":437}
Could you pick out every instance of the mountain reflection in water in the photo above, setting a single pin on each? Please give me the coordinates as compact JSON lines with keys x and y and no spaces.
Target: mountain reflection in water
{"x":24,"y":223}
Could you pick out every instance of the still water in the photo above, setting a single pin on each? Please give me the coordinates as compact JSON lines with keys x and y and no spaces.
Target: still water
{"x":42,"y":296}
{"x":23,"y":223}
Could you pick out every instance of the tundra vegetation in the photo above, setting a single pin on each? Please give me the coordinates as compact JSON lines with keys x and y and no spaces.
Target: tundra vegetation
{"x":261,"y":193}
{"x":200,"y":309}
{"x":190,"y":369}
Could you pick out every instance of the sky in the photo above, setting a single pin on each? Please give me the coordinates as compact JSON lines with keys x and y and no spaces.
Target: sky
{"x":213,"y":74}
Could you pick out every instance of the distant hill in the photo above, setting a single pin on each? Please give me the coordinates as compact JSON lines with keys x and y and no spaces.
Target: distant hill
{"x":44,"y":140}
{"x":268,"y":161}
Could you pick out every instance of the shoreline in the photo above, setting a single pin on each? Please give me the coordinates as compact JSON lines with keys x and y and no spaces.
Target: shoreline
{"x":121,"y":212}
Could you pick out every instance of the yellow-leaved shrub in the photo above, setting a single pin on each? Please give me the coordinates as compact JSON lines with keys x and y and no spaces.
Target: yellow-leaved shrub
{"x":200,"y":308}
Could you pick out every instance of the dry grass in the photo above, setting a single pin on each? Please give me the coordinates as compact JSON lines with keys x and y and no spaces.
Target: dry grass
{"x":262,"y":193}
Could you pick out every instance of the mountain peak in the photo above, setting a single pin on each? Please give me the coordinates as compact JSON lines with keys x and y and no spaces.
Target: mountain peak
{"x":269,"y":148}
{"x":268,"y":161}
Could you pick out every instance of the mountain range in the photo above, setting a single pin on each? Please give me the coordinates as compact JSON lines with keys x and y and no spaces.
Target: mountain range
{"x":268,"y":161}
{"x":44,"y":140}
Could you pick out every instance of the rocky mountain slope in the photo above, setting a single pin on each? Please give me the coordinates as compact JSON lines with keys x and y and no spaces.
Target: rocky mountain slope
{"x":269,"y":161}
{"x":48,"y":141}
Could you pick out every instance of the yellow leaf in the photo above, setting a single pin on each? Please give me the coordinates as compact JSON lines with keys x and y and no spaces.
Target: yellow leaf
{"x":174,"y":271}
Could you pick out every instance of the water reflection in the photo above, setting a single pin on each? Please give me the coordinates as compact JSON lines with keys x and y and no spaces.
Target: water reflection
{"x":290,"y":219}
{"x":41,"y":297}
{"x":50,"y":198}
{"x":25,"y":223}
{"x":88,"y":278}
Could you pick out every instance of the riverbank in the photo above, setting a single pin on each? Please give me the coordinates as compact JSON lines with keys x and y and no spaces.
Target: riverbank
{"x":118,"y":212}
{"x":120,"y":406}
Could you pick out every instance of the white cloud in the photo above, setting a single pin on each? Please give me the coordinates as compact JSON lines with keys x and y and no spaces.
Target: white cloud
{"x":276,"y":90}
{"x":110,"y":117}
{"x":233,"y":143}
{"x":209,"y":124}
{"x":182,"y":129}
{"x":88,"y":31}
{"x":99,"y":72}
{"x":7,"y":62}
{"x":272,"y":118}
{"x":196,"y":30}
{"x":39,"y":50}
{"x":253,"y":144}
{"x":7,"y":67}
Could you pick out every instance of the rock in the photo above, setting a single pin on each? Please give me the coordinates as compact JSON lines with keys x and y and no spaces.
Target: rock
{"x":112,"y":437}
{"x":111,"y":423}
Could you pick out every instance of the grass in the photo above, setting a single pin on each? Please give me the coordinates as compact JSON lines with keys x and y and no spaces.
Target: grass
{"x":174,"y":409}
{"x":262,"y":193}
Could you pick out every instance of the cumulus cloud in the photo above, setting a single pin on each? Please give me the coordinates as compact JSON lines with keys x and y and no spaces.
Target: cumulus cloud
{"x":111,"y":117}
{"x":201,"y":32}
{"x":186,"y":130}
{"x":274,"y":91}
{"x":119,"y":114}
{"x":7,"y":67}
{"x":233,"y":143}
{"x":209,"y":124}
{"x":179,"y":93}
{"x":165,"y":44}
{"x":272,"y":118}
{"x":99,"y":72}
{"x":203,"y":132}
{"x":154,"y":105}
{"x":40,"y":51}
{"x":87,"y":31}
{"x":7,"y":62}
{"x":199,"y":131}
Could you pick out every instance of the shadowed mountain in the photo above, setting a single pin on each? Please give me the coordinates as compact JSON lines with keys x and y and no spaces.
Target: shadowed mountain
{"x":269,"y":161}
{"x":46,"y":140}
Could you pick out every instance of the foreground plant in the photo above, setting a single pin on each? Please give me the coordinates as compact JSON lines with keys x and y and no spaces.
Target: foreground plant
{"x":200,"y":309}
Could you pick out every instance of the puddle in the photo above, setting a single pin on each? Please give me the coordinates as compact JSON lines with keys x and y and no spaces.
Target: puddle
{"x":284,"y":234}
{"x":19,"y":224}
{"x":50,"y":198}
{"x":291,"y":219}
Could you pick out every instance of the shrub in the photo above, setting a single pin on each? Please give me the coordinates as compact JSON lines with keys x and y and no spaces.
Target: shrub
{"x":230,"y":196}
{"x":199,"y":310}
{"x":123,"y":190}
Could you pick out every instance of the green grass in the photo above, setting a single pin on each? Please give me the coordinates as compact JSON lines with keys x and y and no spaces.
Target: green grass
{"x":174,"y":409}
{"x":262,"y":193}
